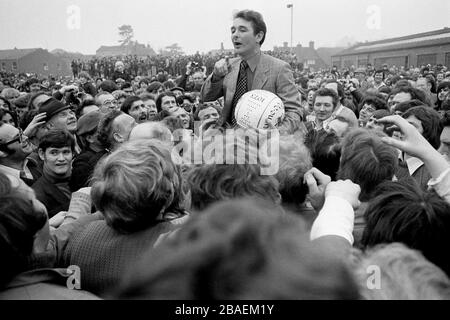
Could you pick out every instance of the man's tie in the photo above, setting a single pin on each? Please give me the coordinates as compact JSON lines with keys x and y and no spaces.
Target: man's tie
{"x":241,"y":88}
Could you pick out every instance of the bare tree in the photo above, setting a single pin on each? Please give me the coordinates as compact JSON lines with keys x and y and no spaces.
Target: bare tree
{"x":126,"y":33}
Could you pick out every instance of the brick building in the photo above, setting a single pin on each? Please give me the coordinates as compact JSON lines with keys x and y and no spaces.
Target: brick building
{"x":413,"y":50}
{"x":35,"y":60}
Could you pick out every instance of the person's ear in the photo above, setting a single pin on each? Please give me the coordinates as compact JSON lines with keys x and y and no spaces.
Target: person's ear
{"x":3,"y":154}
{"x":259,"y":37}
{"x":41,"y":154}
{"x":90,"y":138}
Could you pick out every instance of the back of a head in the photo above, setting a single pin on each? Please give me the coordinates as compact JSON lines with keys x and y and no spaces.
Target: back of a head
{"x":366,"y":160}
{"x":403,"y":274}
{"x":135,"y":184}
{"x":239,"y":250}
{"x":402,"y":107}
{"x":218,"y":178}
{"x":295,"y":160}
{"x":325,"y":151}
{"x":430,"y":121}
{"x":108,"y":86}
{"x":151,"y":130}
{"x":401,"y":212}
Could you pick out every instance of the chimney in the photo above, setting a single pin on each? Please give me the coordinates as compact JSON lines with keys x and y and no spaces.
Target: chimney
{"x":311,"y":44}
{"x":285,"y":44}
{"x":221,"y":46}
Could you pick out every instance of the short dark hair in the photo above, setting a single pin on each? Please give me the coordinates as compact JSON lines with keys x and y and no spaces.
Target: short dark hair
{"x":204,"y":106}
{"x":379,"y":71}
{"x":57,"y":138}
{"x":325,"y":151}
{"x":430,"y":123}
{"x":403,"y":212}
{"x":366,"y":160}
{"x":325,"y":92}
{"x":108,"y":86}
{"x":445,"y":121}
{"x":376,"y":102}
{"x":413,"y":92}
{"x":162,"y":95}
{"x":154,"y":86}
{"x":257,"y":21}
{"x":406,"y":105}
{"x":126,"y":105}
{"x":104,"y":129}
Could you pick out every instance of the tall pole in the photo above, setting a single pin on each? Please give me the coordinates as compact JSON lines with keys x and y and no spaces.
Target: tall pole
{"x":291,"y":6}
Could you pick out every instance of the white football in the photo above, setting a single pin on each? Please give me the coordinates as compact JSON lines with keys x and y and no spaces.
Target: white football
{"x":257,"y":106}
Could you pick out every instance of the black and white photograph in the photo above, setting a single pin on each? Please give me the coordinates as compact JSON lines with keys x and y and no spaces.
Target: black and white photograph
{"x":225,"y":156}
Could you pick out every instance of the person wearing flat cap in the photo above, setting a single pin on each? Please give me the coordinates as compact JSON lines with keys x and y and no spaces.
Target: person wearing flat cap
{"x":92,"y":151}
{"x":59,"y":116}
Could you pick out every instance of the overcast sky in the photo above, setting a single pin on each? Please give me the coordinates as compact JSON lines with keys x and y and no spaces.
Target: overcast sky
{"x":201,"y":25}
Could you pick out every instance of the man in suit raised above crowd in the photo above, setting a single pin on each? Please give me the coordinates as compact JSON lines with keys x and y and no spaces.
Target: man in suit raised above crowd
{"x":252,"y":70}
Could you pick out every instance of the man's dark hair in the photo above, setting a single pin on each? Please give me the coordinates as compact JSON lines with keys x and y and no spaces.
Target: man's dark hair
{"x":183,"y":97}
{"x":154,"y":86}
{"x":126,"y":105}
{"x":57,"y":138}
{"x":406,"y":105}
{"x":430,"y":123}
{"x":402,"y":212}
{"x":445,"y":121}
{"x":108,"y":86}
{"x":376,"y":102}
{"x":85,"y":103}
{"x":257,"y":21}
{"x":325,"y":92}
{"x":366,"y":160}
{"x":413,"y":92}
{"x":162,"y":95}
{"x":379,"y":71}
{"x":104,"y":129}
{"x":325,"y":151}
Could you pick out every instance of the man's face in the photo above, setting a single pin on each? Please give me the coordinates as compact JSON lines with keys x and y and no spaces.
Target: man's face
{"x":243,"y":37}
{"x":168,"y":103}
{"x":64,"y":120}
{"x":151,"y":107}
{"x":16,"y":142}
{"x":208,"y":113}
{"x":108,"y":103}
{"x":198,"y":79}
{"x":400,"y":97}
{"x":57,"y":160}
{"x":143,"y":85}
{"x":378,"y":77}
{"x":444,"y":92}
{"x":183,"y":115}
{"x":416,"y":123}
{"x":311,"y":97}
{"x":138,"y":111}
{"x":422,"y":84}
{"x":178,"y":93}
{"x":366,"y":112}
{"x":122,"y":126}
{"x":35,"y":87}
{"x":360,"y":76}
{"x":444,"y":149}
{"x":323,"y":107}
{"x":439,"y":77}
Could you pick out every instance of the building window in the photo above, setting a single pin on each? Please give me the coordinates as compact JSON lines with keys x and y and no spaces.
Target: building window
{"x":447,"y":59}
{"x":362,"y":62}
{"x":45,"y":66}
{"x":348,"y":63}
{"x":424,"y":59}
{"x":14,"y":65}
{"x":311,"y":62}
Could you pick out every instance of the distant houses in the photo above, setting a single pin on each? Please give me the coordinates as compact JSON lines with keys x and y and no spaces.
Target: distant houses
{"x":134,"y":48}
{"x":35,"y":60}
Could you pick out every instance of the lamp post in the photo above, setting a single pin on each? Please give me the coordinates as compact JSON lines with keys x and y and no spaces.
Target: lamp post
{"x":291,"y":6}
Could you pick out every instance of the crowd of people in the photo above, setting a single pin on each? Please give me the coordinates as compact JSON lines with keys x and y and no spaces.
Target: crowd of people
{"x":97,"y":181}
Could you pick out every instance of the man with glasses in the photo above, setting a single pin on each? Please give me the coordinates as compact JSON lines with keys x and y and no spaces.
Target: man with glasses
{"x":14,"y":150}
{"x":106,"y":102}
